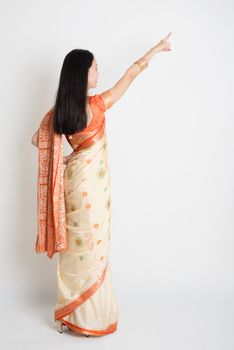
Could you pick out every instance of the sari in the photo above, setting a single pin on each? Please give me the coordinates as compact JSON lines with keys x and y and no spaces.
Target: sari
{"x":85,"y":299}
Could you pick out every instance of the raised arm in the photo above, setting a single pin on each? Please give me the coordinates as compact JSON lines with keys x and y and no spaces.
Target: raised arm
{"x":113,"y":94}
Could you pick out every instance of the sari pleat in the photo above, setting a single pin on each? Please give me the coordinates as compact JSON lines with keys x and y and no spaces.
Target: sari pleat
{"x":86,"y":301}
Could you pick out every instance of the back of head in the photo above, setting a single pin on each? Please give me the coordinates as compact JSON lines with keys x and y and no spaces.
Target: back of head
{"x":69,"y":114}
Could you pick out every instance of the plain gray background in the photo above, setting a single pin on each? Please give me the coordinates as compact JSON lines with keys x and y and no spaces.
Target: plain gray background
{"x":171,"y":152}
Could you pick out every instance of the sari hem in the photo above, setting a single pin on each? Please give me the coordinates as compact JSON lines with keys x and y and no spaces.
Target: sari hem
{"x":112,"y":328}
{"x":67,"y":309}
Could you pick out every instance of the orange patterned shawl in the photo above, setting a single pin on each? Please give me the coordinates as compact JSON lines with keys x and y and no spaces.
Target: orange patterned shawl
{"x":52,"y":235}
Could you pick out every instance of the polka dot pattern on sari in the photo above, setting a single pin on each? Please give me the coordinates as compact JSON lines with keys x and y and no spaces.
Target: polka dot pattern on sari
{"x":101,"y":172}
{"x":79,"y":242}
{"x":108,"y":203}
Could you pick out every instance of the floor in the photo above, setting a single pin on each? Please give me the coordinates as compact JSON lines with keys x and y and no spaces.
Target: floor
{"x":162,"y":321}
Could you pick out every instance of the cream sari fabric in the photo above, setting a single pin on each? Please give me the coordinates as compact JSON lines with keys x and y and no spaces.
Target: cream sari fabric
{"x":85,"y":298}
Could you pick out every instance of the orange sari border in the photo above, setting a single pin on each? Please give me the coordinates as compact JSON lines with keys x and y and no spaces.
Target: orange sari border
{"x":92,"y":139}
{"x":67,"y":309}
{"x":112,"y":328}
{"x":51,"y":235}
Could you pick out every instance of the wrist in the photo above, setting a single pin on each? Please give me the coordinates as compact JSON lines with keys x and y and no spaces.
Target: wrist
{"x":157,"y":48}
{"x":142,"y":63}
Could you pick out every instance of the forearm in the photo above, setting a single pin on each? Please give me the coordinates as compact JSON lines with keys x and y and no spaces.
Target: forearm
{"x":135,"y":69}
{"x":151,"y":53}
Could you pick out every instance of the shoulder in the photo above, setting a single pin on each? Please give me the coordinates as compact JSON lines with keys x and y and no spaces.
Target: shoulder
{"x":98,"y":101}
{"x":103,"y":100}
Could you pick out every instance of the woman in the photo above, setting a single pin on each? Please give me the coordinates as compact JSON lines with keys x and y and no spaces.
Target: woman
{"x":74,"y":204}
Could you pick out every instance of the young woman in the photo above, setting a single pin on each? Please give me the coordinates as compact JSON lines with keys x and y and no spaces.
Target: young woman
{"x":74,"y":192}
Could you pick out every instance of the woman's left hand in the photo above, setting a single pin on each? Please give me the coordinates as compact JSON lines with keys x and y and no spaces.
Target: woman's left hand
{"x":65,"y":159}
{"x":164,"y":44}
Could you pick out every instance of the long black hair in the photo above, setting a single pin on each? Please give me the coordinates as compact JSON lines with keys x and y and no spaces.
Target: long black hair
{"x":69,"y":114}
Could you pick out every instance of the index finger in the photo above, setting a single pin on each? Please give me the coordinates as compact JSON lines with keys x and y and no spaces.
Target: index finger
{"x":168,"y":35}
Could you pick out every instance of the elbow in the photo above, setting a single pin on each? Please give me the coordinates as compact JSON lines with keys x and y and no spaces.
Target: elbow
{"x":34,"y":142}
{"x":34,"y":139}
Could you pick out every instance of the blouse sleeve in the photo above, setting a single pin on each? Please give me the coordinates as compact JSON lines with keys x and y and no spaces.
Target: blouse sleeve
{"x":105,"y":100}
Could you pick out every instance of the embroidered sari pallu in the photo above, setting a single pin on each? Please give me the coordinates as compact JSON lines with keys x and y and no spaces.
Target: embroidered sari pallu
{"x":85,"y":297}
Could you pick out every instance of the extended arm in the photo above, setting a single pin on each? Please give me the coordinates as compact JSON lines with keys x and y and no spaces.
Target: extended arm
{"x":113,"y":94}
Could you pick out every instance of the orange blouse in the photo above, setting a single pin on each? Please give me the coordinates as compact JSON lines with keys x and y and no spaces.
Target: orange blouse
{"x":95,"y":130}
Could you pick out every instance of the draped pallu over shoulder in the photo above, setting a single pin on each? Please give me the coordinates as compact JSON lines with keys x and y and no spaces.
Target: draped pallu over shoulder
{"x":51,"y":235}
